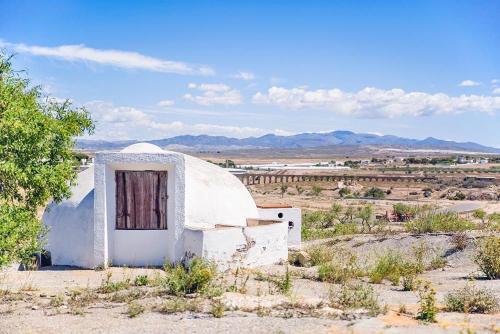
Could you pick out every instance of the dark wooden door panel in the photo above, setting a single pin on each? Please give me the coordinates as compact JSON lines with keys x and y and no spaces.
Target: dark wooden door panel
{"x":141,"y":199}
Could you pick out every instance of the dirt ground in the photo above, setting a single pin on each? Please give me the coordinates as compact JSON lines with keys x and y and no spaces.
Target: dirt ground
{"x":27,"y":301}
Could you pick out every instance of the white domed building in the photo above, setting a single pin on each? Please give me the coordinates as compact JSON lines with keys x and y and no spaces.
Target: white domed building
{"x":144,"y":206}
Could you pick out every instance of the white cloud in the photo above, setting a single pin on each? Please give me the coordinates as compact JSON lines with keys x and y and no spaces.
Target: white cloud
{"x":123,"y":122}
{"x":116,"y":58}
{"x":496,"y":91}
{"x":166,"y":103}
{"x":373,"y":102}
{"x":244,"y":75}
{"x":214,"y":93}
{"x":469,"y":83}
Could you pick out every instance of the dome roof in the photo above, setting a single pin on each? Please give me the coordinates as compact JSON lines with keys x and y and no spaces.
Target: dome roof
{"x":142,"y":148}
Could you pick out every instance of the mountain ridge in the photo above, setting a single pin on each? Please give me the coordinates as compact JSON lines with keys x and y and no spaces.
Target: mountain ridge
{"x":301,"y":140}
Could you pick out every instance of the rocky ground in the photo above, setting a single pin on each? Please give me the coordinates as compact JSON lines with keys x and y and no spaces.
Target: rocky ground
{"x":254,"y":301}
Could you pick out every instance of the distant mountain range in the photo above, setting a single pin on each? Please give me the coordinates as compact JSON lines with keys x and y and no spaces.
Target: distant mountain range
{"x":303,"y":140}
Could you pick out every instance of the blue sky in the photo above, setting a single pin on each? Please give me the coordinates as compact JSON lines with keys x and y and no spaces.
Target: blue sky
{"x":155,"y":69}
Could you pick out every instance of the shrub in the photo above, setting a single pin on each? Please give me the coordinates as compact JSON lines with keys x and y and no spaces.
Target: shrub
{"x":320,"y":254}
{"x":196,"y":277}
{"x":460,"y":240}
{"x":316,"y":191}
{"x":344,"y":192}
{"x":493,"y":222}
{"x":438,"y":262}
{"x":107,"y":286}
{"x":141,"y":280}
{"x":356,"y":295}
{"x":179,"y":305}
{"x":487,"y":256}
{"x":342,"y":267}
{"x":218,"y":309}
{"x":427,"y":311}
{"x":375,"y":192}
{"x":479,"y":214}
{"x":404,"y":212}
{"x":134,"y":309}
{"x":471,"y":299}
{"x":438,"y":222}
{"x":388,"y":266}
{"x":409,"y":276}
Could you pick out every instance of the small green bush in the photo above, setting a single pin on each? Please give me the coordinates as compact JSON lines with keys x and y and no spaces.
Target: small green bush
{"x":356,"y":295}
{"x":438,"y":262}
{"x":428,"y":310}
{"x":471,"y":299}
{"x":107,"y":286}
{"x":197,"y":277}
{"x":387,"y":266}
{"x":134,"y":309}
{"x":409,"y":276}
{"x":341,"y":268}
{"x":375,"y":192}
{"x":320,"y":254}
{"x":487,"y":256}
{"x":218,"y":309}
{"x":141,"y":280}
{"x":438,"y":222}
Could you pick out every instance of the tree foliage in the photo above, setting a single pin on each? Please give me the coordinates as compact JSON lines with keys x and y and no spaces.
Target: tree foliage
{"x":36,"y":160}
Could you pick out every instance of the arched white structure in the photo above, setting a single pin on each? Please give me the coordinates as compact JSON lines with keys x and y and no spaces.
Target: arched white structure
{"x":207,"y":215}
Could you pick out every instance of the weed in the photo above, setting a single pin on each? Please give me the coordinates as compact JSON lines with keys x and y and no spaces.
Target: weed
{"x":141,"y":280}
{"x":427,"y":311}
{"x":409,"y":276}
{"x":218,"y":309}
{"x":342,"y":267}
{"x":56,"y":301}
{"x":179,"y":305}
{"x":402,"y":309}
{"x":283,"y":284}
{"x":107,"y":286}
{"x":471,"y":299}
{"x":487,"y":256}
{"x":460,"y":240}
{"x":127,"y":296}
{"x":196,"y":278}
{"x":356,"y":295}
{"x":388,"y":266}
{"x":320,"y":254}
{"x":438,"y":222}
{"x":134,"y":309}
{"x":438,"y":262}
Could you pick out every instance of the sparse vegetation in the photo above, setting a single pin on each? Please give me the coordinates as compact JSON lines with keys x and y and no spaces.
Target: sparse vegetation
{"x":316,"y":190}
{"x":471,"y":299}
{"x":356,"y":295}
{"x":460,"y":240}
{"x":141,"y":280}
{"x":375,"y":192}
{"x":135,"y":309}
{"x":428,"y":310}
{"x":218,"y":309}
{"x":438,"y":222}
{"x":387,"y":266}
{"x":196,"y":277}
{"x":341,"y":268}
{"x":487,"y":256}
{"x":179,"y":305}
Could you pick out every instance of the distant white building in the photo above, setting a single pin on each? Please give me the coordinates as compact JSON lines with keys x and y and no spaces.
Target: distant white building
{"x":144,"y":206}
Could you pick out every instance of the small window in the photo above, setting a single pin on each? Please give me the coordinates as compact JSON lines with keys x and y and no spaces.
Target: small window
{"x":280,"y":215}
{"x":141,"y":200}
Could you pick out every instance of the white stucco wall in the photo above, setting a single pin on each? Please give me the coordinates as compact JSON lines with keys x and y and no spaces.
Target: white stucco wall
{"x":293,"y":215}
{"x":134,"y":247}
{"x":243,"y":246}
{"x":215,"y":196}
{"x":70,"y":224}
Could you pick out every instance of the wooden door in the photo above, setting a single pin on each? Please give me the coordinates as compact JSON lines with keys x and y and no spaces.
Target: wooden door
{"x":141,"y":200}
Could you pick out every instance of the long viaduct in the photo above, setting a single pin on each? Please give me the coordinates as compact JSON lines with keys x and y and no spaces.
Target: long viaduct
{"x":251,"y":179}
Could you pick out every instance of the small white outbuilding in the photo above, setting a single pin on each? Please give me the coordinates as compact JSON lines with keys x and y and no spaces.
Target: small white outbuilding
{"x":144,"y":206}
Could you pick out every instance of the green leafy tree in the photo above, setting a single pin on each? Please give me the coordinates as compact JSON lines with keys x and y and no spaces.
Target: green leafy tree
{"x":36,"y":159}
